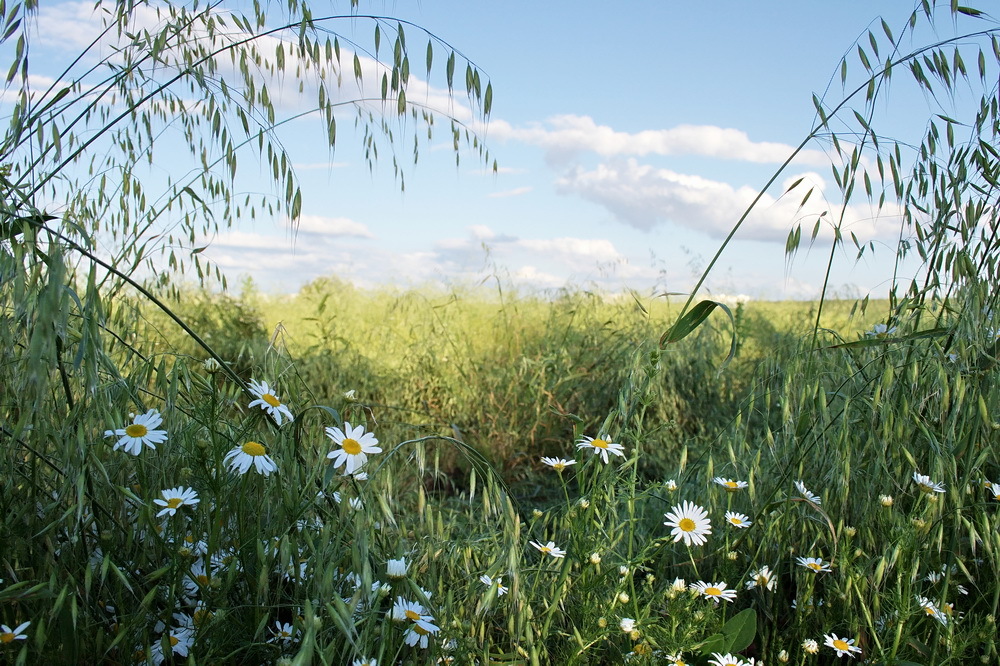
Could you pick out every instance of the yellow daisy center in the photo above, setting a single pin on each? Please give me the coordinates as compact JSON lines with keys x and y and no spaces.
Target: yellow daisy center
{"x":731,"y":484}
{"x":420,"y":630}
{"x":412,"y":616}
{"x":841,"y":645}
{"x":559,"y":466}
{"x":545,"y":549}
{"x":254,"y":449}
{"x":201,"y":615}
{"x":136,"y":430}
{"x":686,"y":524}
{"x":814,"y":566}
{"x":735,"y":521}
{"x":174,"y":641}
{"x":6,"y":637}
{"x":762,"y":580}
{"x":351,"y":446}
{"x":930,"y":610}
{"x":271,"y":400}
{"x":926,"y":488}
{"x":174,"y":502}
{"x":713,"y":592}
{"x":599,"y":443}
{"x":202,"y":579}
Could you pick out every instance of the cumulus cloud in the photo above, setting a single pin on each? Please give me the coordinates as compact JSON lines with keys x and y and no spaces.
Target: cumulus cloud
{"x":331,"y":226}
{"x":565,"y":136}
{"x":644,"y":197}
{"x":517,"y":191}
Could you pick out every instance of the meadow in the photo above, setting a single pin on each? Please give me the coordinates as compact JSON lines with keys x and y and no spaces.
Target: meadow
{"x":480,"y":475}
{"x":548,"y":485}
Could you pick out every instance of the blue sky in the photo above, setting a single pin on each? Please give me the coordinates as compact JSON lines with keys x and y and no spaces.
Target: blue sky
{"x":629,"y":138}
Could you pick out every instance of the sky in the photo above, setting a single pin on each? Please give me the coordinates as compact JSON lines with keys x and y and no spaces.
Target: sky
{"x":630,"y":137}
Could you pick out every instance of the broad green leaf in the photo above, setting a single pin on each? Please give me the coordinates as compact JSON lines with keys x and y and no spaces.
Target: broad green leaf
{"x":737,"y":634}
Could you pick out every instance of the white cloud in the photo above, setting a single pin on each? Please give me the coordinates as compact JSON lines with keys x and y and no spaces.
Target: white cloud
{"x":563,"y":137}
{"x":332,"y":226}
{"x":517,"y":191}
{"x":644,"y":197}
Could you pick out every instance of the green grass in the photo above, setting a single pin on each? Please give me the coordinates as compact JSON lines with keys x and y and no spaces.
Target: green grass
{"x":465,"y":393}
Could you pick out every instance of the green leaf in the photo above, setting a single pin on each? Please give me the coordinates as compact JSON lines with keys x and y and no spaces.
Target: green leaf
{"x":737,"y":634}
{"x":694,"y":318}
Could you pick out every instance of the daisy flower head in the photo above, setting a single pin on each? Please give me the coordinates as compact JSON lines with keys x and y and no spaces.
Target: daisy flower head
{"x":926,"y":485}
{"x":252,"y":454}
{"x":601,"y":446}
{"x":676,"y":659}
{"x":269,"y":402}
{"x":814,"y":564}
{"x":725,"y":660}
{"x":627,"y":625}
{"x":880,"y":331}
{"x":730,"y":485}
{"x":355,"y":445}
{"x":690,"y":522}
{"x":488,"y":582}
{"x":994,"y":491}
{"x":801,"y":487}
{"x":366,"y":661}
{"x":761,"y":578}
{"x":141,"y":432}
{"x":421,"y":623}
{"x":671,"y":485}
{"x":549,"y":549}
{"x":714,"y":591}
{"x":558,"y":464}
{"x":284,"y":633}
{"x":810,"y":646}
{"x":8,"y":635}
{"x":178,"y":640}
{"x":175,"y":498}
{"x":738,"y":520}
{"x":843,"y":646}
{"x":396,"y":568}
{"x":931,"y":610}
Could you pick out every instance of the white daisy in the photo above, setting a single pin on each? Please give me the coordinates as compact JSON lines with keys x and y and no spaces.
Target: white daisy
{"x":930,"y":609}
{"x":814,"y":564}
{"x":601,"y":446}
{"x":810,"y":646}
{"x":250,"y":454}
{"x":738,"y":520}
{"x":762,"y":578}
{"x":994,"y":491}
{"x":843,"y":646}
{"x":8,"y":635}
{"x":627,"y":625}
{"x":139,"y":433}
{"x":283,"y":633}
{"x":730,"y":485}
{"x":549,"y":549}
{"x":690,"y":522}
{"x":801,"y":487}
{"x":355,"y":445}
{"x":671,"y":485}
{"x":725,"y":660}
{"x":178,"y":640}
{"x":926,"y":485}
{"x":269,"y":402}
{"x":175,"y":498}
{"x":396,"y":568}
{"x":880,"y":331}
{"x":714,"y":591}
{"x":488,"y":582}
{"x":558,"y":464}
{"x":366,"y":661}
{"x":421,"y":622}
